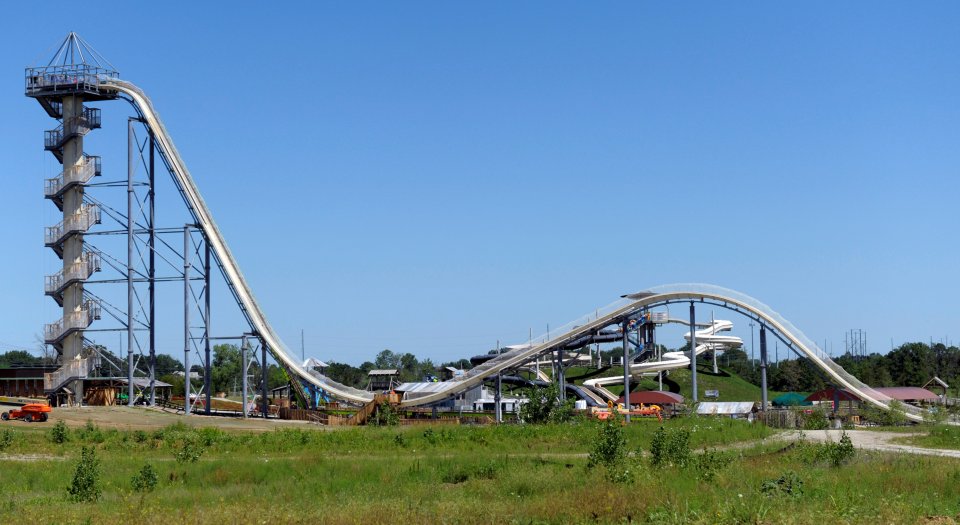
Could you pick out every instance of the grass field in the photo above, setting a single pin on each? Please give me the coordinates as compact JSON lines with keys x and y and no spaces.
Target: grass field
{"x":940,"y":436}
{"x":448,"y":474}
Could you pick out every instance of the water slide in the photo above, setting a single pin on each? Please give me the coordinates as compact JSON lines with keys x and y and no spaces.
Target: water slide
{"x":591,"y":398}
{"x":627,"y":307}
{"x":708,"y":339}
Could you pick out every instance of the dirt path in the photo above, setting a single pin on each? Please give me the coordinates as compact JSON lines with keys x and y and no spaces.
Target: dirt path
{"x":143,"y":418}
{"x":871,"y":440}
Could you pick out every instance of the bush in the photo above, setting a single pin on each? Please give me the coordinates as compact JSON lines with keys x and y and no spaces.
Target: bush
{"x":936,"y":415}
{"x":544,"y":406}
{"x":6,"y":439}
{"x":385,"y":415}
{"x":670,"y":447}
{"x":609,"y":445}
{"x":59,"y":432}
{"x":145,"y":480}
{"x":788,"y":484}
{"x":709,"y":464}
{"x":816,"y":419}
{"x":892,"y":417}
{"x":840,"y":453}
{"x":189,"y":452}
{"x":86,"y":478}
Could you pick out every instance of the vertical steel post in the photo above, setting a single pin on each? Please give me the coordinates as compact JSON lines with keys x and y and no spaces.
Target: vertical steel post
{"x":693,"y":350}
{"x":763,"y":367}
{"x":498,"y":410}
{"x":653,"y":339}
{"x":186,"y":320}
{"x":130,"y":241}
{"x":626,"y":370}
{"x":263,"y":378}
{"x":206,"y":323}
{"x":713,"y":331}
{"x":244,"y":348}
{"x":561,"y":382}
{"x":152,"y":278}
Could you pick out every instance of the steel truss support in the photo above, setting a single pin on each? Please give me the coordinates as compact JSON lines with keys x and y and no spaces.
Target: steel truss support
{"x":152,"y":272}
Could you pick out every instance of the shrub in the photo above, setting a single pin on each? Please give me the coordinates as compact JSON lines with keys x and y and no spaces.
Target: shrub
{"x":145,"y":480}
{"x":189,"y":452}
{"x":86,"y":478}
{"x":544,"y":406}
{"x":670,"y":447}
{"x":609,"y":445}
{"x":709,"y":463}
{"x":6,"y":439}
{"x":385,"y":415}
{"x":840,"y":453}
{"x":936,"y":415}
{"x":816,"y":419}
{"x":894,"y":416}
{"x":788,"y":484}
{"x":59,"y":433}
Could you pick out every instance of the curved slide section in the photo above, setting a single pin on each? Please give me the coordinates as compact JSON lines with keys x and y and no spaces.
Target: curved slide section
{"x":708,"y":337}
{"x":238,"y":285}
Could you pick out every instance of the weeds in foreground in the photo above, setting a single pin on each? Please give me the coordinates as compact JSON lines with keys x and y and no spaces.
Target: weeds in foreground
{"x":86,"y":477}
{"x":145,"y":480}
{"x":670,"y":447}
{"x":6,"y":438}
{"x":59,"y":432}
{"x":788,"y":484}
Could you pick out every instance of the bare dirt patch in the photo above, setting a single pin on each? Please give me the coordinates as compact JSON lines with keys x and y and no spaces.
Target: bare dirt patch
{"x":143,"y":418}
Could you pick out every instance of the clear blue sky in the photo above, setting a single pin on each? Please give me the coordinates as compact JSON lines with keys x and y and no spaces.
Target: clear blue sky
{"x":432,"y":177}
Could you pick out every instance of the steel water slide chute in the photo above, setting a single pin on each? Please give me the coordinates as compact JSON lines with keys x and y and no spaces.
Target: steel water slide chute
{"x":628,"y":307}
{"x":224,"y":258}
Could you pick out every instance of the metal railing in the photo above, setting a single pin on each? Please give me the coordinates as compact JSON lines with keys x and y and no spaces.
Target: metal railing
{"x":81,"y":173}
{"x":78,"y":320}
{"x":81,"y":270}
{"x":62,"y":79}
{"x":83,"y":220}
{"x":73,"y":369}
{"x":72,"y":127}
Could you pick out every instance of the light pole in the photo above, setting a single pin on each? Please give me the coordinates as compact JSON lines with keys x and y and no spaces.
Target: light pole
{"x":752,"y":363}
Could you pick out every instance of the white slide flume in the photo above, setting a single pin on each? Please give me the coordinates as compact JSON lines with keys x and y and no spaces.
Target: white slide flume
{"x":628,"y":307}
{"x":708,"y":339}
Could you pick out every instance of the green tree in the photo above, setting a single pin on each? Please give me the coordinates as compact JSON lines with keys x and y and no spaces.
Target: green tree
{"x":18,"y":357}
{"x":227,"y":365}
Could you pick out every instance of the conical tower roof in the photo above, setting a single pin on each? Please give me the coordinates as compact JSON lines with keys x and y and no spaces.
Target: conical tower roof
{"x":75,"y":51}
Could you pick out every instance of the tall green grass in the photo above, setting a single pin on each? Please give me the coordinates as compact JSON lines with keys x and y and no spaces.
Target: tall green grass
{"x":443,"y":474}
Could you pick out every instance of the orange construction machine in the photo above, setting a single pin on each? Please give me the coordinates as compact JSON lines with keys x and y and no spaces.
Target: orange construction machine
{"x":28,"y":413}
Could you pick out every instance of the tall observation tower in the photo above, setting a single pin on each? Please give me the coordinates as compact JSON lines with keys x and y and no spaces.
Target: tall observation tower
{"x":72,"y":77}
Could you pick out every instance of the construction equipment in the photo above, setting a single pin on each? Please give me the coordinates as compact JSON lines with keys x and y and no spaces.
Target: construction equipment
{"x":29,"y":413}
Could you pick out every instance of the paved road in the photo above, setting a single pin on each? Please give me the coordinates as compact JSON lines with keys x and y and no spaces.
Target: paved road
{"x":871,"y":440}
